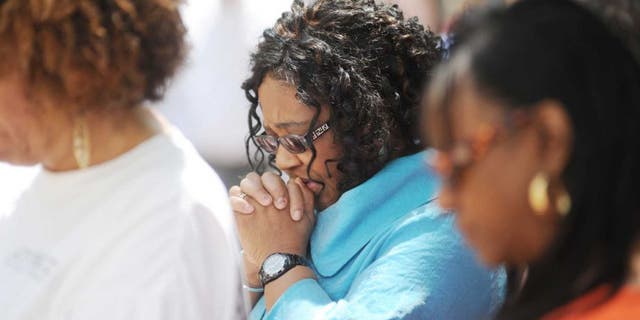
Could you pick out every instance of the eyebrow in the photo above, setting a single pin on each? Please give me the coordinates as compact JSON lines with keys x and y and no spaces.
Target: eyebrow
{"x":289,"y":124}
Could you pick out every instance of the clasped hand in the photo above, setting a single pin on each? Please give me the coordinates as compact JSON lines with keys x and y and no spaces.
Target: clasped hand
{"x":271,"y":216}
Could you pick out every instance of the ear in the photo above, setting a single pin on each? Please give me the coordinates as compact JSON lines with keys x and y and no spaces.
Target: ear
{"x":555,"y":133}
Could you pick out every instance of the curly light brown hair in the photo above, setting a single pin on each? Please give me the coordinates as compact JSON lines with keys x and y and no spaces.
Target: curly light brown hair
{"x":92,"y":53}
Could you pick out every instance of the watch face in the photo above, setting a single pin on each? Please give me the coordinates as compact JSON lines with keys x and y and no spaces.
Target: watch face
{"x":274,"y":264}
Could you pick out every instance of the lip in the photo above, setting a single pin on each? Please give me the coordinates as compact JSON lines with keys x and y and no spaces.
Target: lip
{"x":315,"y":187}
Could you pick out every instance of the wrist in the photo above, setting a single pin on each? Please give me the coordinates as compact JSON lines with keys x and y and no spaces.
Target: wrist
{"x":296,"y":274}
{"x":253,"y":280}
{"x":251,"y":273}
{"x":276,"y":288}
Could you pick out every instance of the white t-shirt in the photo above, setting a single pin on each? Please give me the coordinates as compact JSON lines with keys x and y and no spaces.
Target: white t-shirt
{"x":148,"y":235}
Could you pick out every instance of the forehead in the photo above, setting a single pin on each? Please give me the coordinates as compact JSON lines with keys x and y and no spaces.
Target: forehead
{"x":470,"y":108}
{"x":461,"y":114}
{"x":279,"y":103}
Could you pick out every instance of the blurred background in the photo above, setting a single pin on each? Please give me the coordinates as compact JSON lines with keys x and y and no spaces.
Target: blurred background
{"x":205,"y":100}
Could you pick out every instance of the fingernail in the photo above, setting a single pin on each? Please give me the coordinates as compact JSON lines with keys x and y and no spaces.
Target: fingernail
{"x":266,"y":200}
{"x":297,"y":215}
{"x":248,"y":208}
{"x":281,"y":203}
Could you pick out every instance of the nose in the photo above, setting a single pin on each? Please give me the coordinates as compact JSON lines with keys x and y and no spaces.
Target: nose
{"x":441,"y":164}
{"x":286,"y":160}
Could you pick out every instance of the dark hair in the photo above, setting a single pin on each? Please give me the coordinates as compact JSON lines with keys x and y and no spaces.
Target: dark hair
{"x":365,"y":62}
{"x":95,"y":54}
{"x":559,"y":50}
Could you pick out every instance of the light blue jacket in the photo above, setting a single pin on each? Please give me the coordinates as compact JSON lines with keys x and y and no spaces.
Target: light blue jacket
{"x":384,"y":250}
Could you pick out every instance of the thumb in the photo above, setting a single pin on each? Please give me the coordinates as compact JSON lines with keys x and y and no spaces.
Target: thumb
{"x":309,"y":200}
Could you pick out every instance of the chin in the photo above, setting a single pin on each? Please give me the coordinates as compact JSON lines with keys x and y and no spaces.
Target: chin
{"x":322,"y":204}
{"x":488,"y":262}
{"x":489,"y":259}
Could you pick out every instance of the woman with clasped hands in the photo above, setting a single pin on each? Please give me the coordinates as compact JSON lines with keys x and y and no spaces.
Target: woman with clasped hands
{"x":353,"y":232}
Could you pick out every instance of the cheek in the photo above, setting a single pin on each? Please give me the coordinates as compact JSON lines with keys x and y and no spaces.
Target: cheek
{"x":10,"y":133}
{"x":489,"y":205}
{"x":17,"y":139}
{"x":325,"y":167}
{"x":326,"y":162}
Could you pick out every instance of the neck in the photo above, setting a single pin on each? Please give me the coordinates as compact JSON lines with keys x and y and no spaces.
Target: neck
{"x":109,"y":135}
{"x":634,"y":269}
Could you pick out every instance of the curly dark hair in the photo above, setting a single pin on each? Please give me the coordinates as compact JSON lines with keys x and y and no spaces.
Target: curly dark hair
{"x":364,"y":61}
{"x":93,"y":53}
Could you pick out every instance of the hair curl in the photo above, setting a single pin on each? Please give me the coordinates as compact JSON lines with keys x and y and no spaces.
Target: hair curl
{"x":93,"y":53}
{"x":364,"y":61}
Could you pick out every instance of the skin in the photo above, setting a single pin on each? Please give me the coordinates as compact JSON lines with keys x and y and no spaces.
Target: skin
{"x":278,"y":216}
{"x":491,"y":197}
{"x":37,"y":129}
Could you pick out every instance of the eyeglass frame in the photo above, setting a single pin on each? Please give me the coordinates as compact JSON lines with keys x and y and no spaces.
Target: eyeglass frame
{"x":306,"y":139}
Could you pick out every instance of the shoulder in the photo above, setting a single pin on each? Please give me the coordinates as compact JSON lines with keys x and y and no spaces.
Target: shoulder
{"x":184,"y":221}
{"x":428,"y":223}
{"x":178,"y":198}
{"x":597,"y":304}
{"x":426,"y":240}
{"x":426,"y":245}
{"x":183,"y":183}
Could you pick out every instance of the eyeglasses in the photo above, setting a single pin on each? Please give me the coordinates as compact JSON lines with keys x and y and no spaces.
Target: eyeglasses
{"x":452,"y":163}
{"x":292,"y":142}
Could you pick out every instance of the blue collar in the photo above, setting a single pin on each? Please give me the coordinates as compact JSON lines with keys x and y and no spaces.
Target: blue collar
{"x":366,"y":210}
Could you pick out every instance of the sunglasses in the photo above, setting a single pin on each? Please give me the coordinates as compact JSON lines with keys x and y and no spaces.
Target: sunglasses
{"x":452,"y":163}
{"x":292,"y":142}
{"x":460,"y":155}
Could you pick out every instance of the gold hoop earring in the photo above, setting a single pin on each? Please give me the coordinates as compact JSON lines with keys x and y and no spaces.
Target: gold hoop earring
{"x":539,"y":193}
{"x":81,"y":143}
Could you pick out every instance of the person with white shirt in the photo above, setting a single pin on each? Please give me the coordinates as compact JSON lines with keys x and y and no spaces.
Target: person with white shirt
{"x":124,"y":220}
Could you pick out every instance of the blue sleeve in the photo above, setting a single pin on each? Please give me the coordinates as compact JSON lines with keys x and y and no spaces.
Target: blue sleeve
{"x":422,"y":270}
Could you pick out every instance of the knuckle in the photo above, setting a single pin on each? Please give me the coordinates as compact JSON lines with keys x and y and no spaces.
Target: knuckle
{"x":235,"y":205}
{"x":252,"y":178}
{"x":268,"y":175}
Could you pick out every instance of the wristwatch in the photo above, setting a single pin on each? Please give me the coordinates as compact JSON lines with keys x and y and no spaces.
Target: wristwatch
{"x":278,"y":264}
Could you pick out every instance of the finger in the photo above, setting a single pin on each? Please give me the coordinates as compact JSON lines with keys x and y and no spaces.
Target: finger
{"x":309,"y":199}
{"x":296,"y":208}
{"x":235,"y":191}
{"x":238,"y":204}
{"x":252,"y":186}
{"x":276,"y":188}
